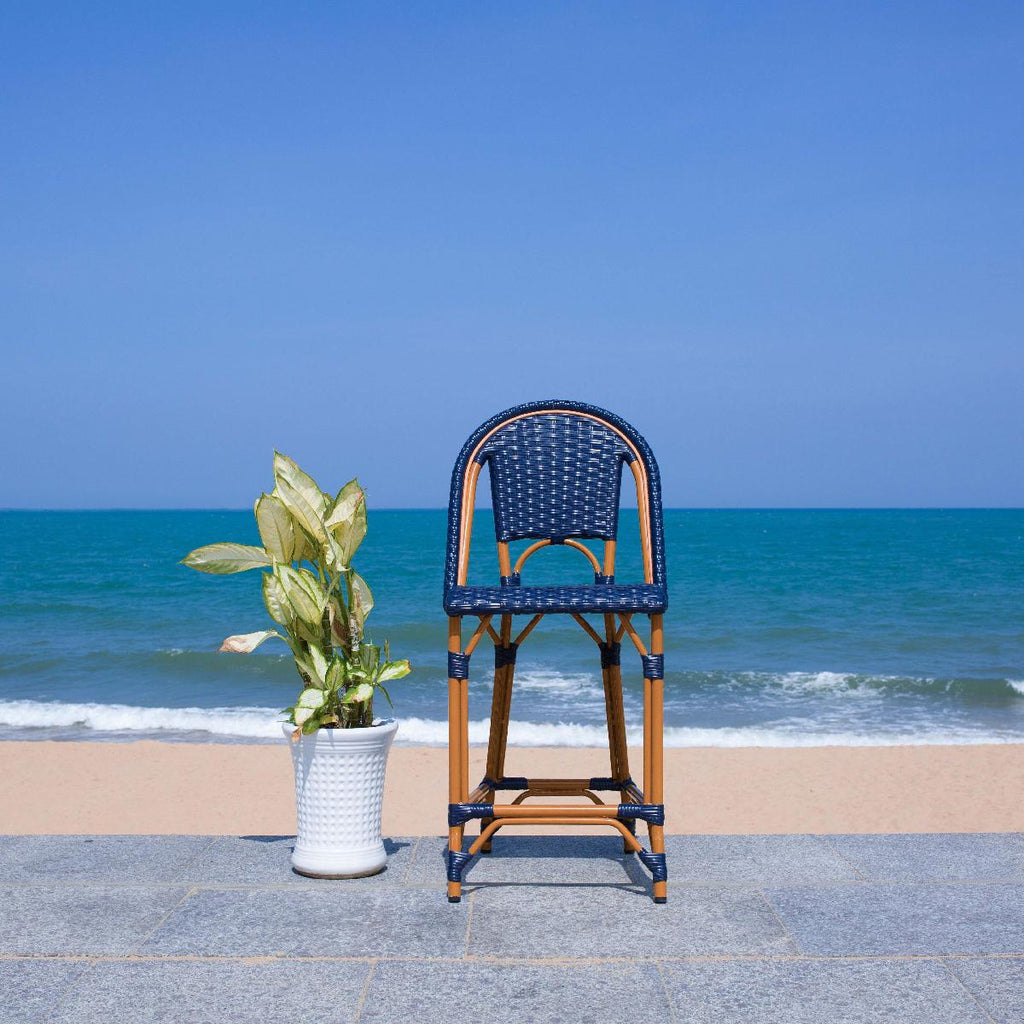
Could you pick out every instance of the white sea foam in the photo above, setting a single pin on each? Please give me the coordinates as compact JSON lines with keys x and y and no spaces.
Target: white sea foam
{"x":258,"y":723}
{"x":250,"y":723}
{"x":571,"y":734}
{"x":842,"y":684}
{"x":1017,"y":685}
{"x":548,"y":681}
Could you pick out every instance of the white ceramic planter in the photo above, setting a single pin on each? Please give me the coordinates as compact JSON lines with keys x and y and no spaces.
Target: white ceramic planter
{"x":339,"y":791}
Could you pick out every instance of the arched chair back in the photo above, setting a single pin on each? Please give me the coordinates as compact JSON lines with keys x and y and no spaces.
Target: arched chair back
{"x":556,"y":474}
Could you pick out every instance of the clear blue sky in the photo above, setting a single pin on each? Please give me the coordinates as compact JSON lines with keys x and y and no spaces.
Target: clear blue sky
{"x":785,"y":240}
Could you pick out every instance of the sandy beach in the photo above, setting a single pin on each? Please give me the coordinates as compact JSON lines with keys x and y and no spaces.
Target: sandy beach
{"x":227,"y":789}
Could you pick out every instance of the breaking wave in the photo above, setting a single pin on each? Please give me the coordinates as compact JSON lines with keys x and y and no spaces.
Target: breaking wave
{"x":27,"y":719}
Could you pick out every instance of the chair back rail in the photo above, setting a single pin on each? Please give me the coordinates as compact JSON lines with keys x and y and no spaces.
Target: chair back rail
{"x":555,"y":469}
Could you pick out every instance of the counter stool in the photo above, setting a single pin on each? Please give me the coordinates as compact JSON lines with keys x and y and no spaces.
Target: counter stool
{"x":556,"y":469}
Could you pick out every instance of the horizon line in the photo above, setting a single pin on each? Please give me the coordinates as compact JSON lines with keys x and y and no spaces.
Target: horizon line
{"x":487,"y":508}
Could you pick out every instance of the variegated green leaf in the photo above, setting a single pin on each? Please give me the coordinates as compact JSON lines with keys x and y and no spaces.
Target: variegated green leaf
{"x":336,"y":672}
{"x":275,"y":525}
{"x":344,"y":506}
{"x":302,"y":715}
{"x":312,"y":698}
{"x":350,"y":530}
{"x":319,"y":662}
{"x":394,"y":670}
{"x":246,"y":643}
{"x":357,"y":694}
{"x":300,"y":494}
{"x":286,"y":470}
{"x":275,"y":599}
{"x":223,"y":559}
{"x":360,"y":599}
{"x":337,"y":558}
{"x":304,"y":597}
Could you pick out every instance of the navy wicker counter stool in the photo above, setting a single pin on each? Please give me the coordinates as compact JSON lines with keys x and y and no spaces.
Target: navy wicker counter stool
{"x":555,"y":469}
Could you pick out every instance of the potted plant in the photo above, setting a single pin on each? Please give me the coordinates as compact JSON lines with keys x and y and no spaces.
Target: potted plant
{"x":320,"y":605}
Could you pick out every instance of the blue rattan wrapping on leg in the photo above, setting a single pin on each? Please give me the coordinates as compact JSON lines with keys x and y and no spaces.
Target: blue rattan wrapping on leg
{"x":458,"y":666}
{"x":508,"y":782}
{"x":456,"y":863}
{"x":655,"y":863}
{"x":654,"y":666}
{"x":653,"y":814}
{"x":599,"y":783}
{"x":459,"y":814}
{"x":505,"y":655}
{"x":611,"y":654}
{"x":512,"y":580}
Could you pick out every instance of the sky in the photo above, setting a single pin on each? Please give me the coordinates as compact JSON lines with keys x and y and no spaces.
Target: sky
{"x":786,"y":241}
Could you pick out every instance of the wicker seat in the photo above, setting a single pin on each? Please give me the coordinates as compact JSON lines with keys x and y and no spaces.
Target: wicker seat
{"x":555,"y":472}
{"x":529,"y":600}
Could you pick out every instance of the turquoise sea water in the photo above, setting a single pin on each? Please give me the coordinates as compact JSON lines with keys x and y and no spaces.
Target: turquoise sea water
{"x":785,"y":628}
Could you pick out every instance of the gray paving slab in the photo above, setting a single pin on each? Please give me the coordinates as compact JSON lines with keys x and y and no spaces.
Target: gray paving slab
{"x":374,"y":921}
{"x":935,"y":858}
{"x":902,"y":920}
{"x":997,"y":984}
{"x":129,"y":860}
{"x":541,"y":860}
{"x":818,"y":992}
{"x":31,"y":989}
{"x":215,"y":993}
{"x":758,"y":860}
{"x":590,"y":921}
{"x":265,"y":860}
{"x":71,"y":920}
{"x":427,"y":992}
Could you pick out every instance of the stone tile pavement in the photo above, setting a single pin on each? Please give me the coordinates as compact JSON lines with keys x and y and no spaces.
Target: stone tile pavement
{"x":794,"y":929}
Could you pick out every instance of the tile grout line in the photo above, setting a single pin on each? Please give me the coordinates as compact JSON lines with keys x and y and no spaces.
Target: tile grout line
{"x":512,"y":961}
{"x":211,"y":842}
{"x":469,"y":925}
{"x":673,"y":1012}
{"x":72,"y":987}
{"x":785,"y":931}
{"x":829,"y":841}
{"x":365,"y":991}
{"x":970,"y":993}
{"x":190,"y":891}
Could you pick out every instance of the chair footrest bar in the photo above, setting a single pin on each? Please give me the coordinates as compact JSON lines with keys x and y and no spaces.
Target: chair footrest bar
{"x":655,"y":863}
{"x":456,"y":863}
{"x":458,"y":814}
{"x":653,"y":814}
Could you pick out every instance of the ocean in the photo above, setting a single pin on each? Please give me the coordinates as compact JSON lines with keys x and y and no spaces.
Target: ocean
{"x":785,"y":628}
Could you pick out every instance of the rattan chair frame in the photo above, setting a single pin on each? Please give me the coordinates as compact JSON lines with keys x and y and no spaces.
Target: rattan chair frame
{"x":612,"y":439}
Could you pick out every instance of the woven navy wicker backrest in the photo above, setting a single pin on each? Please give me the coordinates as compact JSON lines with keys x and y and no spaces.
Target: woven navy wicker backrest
{"x":556,"y":472}
{"x":554,"y":475}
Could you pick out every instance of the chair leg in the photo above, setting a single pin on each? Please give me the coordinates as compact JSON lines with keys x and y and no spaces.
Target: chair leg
{"x":458,"y":757}
{"x":655,"y":794}
{"x":617,"y":732}
{"x":501,"y":705}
